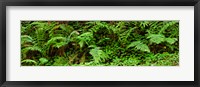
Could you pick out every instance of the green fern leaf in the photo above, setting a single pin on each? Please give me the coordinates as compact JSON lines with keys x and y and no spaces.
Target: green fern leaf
{"x":29,"y":61}
{"x":139,"y":45}
{"x":81,"y":43}
{"x":166,"y":25}
{"x":66,"y":28}
{"x":58,"y":45}
{"x":171,"y":40}
{"x":98,"y":55}
{"x":156,"y":38}
{"x":133,"y":44}
{"x":143,"y":47}
{"x":144,"y":24}
{"x":33,"y":48}
{"x":57,"y":42}
{"x":43,"y":60}
{"x":85,"y":38}
{"x":124,"y":36}
{"x":103,"y":40}
{"x":26,"y":39}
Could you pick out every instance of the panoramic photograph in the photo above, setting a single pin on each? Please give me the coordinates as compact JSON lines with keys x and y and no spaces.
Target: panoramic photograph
{"x":99,"y":43}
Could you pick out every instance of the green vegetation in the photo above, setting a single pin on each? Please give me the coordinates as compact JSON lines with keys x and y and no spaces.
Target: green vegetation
{"x":99,"y":43}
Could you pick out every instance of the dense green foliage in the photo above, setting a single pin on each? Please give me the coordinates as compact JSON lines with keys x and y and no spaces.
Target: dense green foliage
{"x":100,"y":43}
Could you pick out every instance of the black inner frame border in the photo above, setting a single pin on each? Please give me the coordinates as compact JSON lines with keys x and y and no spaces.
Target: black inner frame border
{"x":4,"y":3}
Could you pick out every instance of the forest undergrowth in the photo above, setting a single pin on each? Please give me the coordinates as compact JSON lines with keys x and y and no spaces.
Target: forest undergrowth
{"x":99,"y":43}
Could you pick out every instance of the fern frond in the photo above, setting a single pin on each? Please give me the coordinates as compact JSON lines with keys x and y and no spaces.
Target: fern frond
{"x":66,"y":28}
{"x":171,"y":40}
{"x":143,"y":47}
{"x":139,"y":45}
{"x":56,"y":42}
{"x":41,"y":24}
{"x":166,"y":25}
{"x":86,"y":35}
{"x":43,"y":60}
{"x":103,"y":40}
{"x":60,"y":61}
{"x":81,"y":43}
{"x":85,"y":38}
{"x":40,"y":32}
{"x":29,"y":62}
{"x":123,"y":37}
{"x":26,"y":39}
{"x":143,"y":24}
{"x":156,"y":38}
{"x":72,"y":35}
{"x":118,"y":27}
{"x":32,"y":48}
{"x":97,"y":25}
{"x":58,"y":45}
{"x":133,"y":44}
{"x":98,"y":55}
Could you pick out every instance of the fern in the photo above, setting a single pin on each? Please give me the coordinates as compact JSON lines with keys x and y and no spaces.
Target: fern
{"x":54,"y":32}
{"x":29,"y":62}
{"x":43,"y":60}
{"x":60,"y":61}
{"x":39,"y":24}
{"x":25,"y":29}
{"x":57,"y":42}
{"x":118,"y":27}
{"x":170,"y":40}
{"x":99,"y":43}
{"x":98,"y":55}
{"x":40,"y":32}
{"x":32,"y":48}
{"x":139,"y":45}
{"x":85,"y":38}
{"x":66,"y":28}
{"x":103,"y":40}
{"x":166,"y":25}
{"x":154,"y":27}
{"x":159,"y":38}
{"x":143,"y":24}
{"x":72,"y":35}
{"x":156,"y":38}
{"x":26,"y":39}
{"x":97,"y":25}
{"x":58,"y":45}
{"x":124,"y":36}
